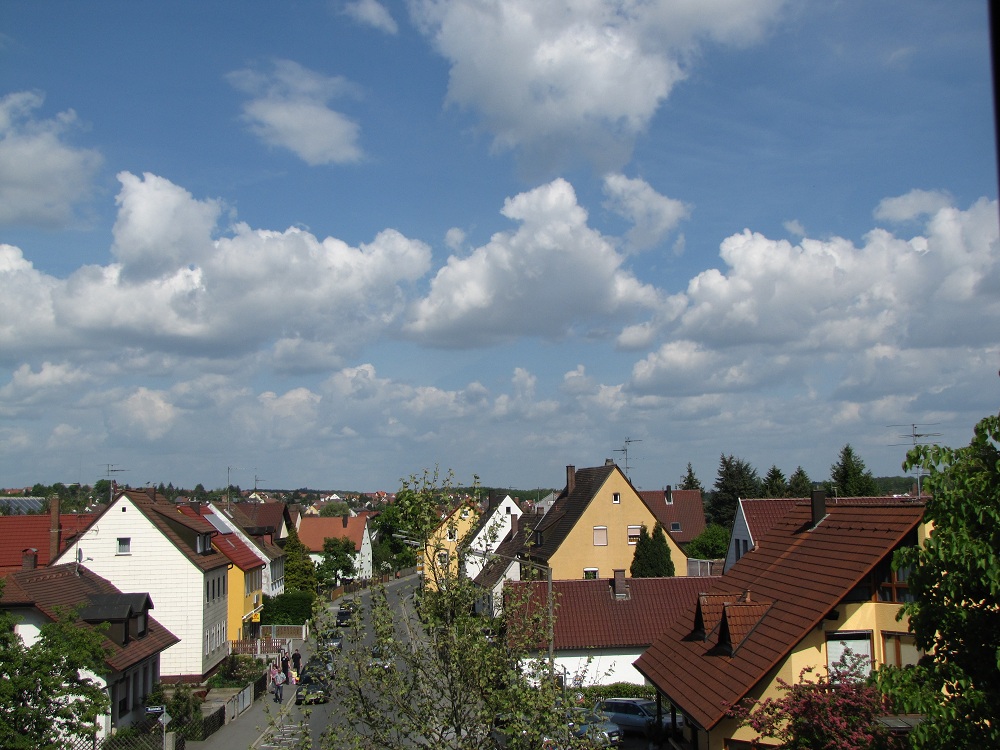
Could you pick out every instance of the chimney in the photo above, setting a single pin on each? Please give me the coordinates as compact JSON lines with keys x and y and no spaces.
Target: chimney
{"x":621,"y":588}
{"x":515,"y":524}
{"x":345,"y":520}
{"x":668,"y":495}
{"x":53,"y":529}
{"x":29,"y":558}
{"x":818,"y":507}
{"x":570,"y":479}
{"x":609,"y":462}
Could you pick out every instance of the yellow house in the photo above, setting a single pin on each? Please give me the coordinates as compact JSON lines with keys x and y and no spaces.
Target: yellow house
{"x":592,"y":528}
{"x":818,"y":583}
{"x":245,"y":581}
{"x":441,"y":558}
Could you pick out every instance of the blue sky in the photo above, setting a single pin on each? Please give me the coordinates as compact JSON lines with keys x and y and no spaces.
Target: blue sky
{"x":329,"y":244}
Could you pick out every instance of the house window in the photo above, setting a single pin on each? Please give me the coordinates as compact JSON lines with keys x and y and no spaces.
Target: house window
{"x":600,"y":536}
{"x":746,"y":545}
{"x":859,"y":642}
{"x":452,"y":534}
{"x":590,"y":574}
{"x":633,"y":534}
{"x":675,"y":525}
{"x":616,"y":498}
{"x":900,"y":649}
{"x":465,"y":513}
{"x":124,"y":545}
{"x":893,"y":586}
{"x":443,"y":558}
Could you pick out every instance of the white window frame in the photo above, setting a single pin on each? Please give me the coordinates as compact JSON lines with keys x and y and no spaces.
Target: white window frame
{"x":638,"y":533}
{"x":616,"y":498}
{"x":859,"y":641}
{"x":124,"y":545}
{"x":590,"y":574}
{"x":599,"y":533}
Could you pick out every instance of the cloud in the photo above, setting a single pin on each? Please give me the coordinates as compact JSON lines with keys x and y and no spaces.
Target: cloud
{"x":913,"y":205}
{"x":43,"y":179}
{"x":544,"y":279}
{"x":289,"y":110}
{"x":372,"y":13}
{"x":652,"y":215}
{"x":177,"y":290}
{"x":561,"y":81}
{"x":144,"y":414}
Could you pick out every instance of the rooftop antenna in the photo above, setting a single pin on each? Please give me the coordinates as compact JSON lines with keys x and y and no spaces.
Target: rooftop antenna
{"x":624,"y":450}
{"x":917,"y":438}
{"x":112,"y":469}
{"x":255,"y":479}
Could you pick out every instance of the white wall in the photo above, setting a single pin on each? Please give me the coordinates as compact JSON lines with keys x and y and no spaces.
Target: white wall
{"x":740,"y":533}
{"x":601,"y":667}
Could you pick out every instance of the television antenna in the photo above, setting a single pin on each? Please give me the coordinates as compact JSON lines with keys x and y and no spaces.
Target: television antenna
{"x":109,"y":470}
{"x":624,"y":450}
{"x":915,"y":438}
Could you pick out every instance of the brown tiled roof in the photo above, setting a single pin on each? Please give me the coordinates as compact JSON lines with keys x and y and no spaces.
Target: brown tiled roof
{"x":314,"y":529}
{"x":267,"y":515}
{"x":18,"y":533}
{"x":66,"y":586}
{"x":686,"y":508}
{"x":803,"y":572}
{"x":588,"y":614}
{"x":568,"y":508}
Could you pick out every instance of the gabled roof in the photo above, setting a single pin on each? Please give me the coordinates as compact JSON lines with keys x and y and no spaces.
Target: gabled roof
{"x":18,"y":533}
{"x":671,"y":506}
{"x":797,"y":575}
{"x":589,"y":616}
{"x":241,"y":556}
{"x":314,"y":529}
{"x":266,"y":517}
{"x":569,"y":507}
{"x":763,"y":513}
{"x":515,"y":545}
{"x":67,"y":586}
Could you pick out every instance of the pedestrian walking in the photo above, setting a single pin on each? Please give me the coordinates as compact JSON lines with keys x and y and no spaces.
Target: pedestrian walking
{"x":279,"y":683}
{"x":284,"y":664}
{"x":297,"y":661}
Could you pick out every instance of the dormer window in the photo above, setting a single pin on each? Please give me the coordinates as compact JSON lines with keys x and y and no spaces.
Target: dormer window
{"x":140,"y":624}
{"x":675,"y":525}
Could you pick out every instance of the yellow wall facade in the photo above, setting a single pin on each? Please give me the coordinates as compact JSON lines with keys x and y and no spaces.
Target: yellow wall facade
{"x":444,"y":541}
{"x":578,"y":552}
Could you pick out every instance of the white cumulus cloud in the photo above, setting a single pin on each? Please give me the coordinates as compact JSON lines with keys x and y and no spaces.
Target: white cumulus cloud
{"x":652,"y":215}
{"x":372,"y":13}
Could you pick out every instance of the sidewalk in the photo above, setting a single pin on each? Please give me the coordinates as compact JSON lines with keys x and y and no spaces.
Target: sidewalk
{"x":247,"y":729}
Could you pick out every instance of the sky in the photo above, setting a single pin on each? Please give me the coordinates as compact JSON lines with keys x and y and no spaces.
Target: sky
{"x":333,"y":244}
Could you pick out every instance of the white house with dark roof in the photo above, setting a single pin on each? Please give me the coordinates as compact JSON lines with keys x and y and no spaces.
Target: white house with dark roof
{"x":143,"y":542}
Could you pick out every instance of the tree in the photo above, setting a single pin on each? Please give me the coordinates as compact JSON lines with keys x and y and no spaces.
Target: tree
{"x":448,"y":676}
{"x":775,"y":484}
{"x":835,"y":712}
{"x":850,"y":478}
{"x":336,"y":508}
{"x":710,"y":544}
{"x":689,"y":481}
{"x":736,"y":479}
{"x":338,"y":561}
{"x":300,"y":572}
{"x":954,"y":580}
{"x":651,"y":558}
{"x":44,"y":695}
{"x":390,"y":548}
{"x":799,"y":485}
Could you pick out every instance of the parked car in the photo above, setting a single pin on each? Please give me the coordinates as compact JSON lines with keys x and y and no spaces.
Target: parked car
{"x":380,"y":658}
{"x":506,"y":734}
{"x":637,"y":715}
{"x":311,"y":689}
{"x":584,"y":723}
{"x":330,"y":640}
{"x":345,"y":613}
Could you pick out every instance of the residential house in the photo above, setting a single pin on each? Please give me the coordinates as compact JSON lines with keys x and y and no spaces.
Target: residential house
{"x":135,"y":640}
{"x":441,"y":553}
{"x":314,"y":530}
{"x":594,"y":525}
{"x":143,"y":542}
{"x":681,"y":513}
{"x":819,"y":582}
{"x":493,"y":525}
{"x":756,"y":516}
{"x":603,"y":625}
{"x":48,"y":534}
{"x":258,"y":539}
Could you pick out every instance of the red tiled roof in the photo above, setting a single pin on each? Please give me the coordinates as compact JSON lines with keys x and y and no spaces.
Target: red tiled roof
{"x":268,"y":515}
{"x":686,"y":508}
{"x":66,"y":586}
{"x":314,"y":529}
{"x":589,"y":615}
{"x":241,"y":556}
{"x":18,"y":533}
{"x":762,"y":513}
{"x":804,"y":571}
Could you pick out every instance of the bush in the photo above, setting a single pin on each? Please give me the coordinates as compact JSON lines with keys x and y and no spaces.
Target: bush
{"x":237,"y":671}
{"x":291,"y":608}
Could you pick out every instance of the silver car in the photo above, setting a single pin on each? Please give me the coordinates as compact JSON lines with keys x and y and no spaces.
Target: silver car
{"x":637,"y":715}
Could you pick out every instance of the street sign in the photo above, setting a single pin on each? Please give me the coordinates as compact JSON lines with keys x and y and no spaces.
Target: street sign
{"x":165,"y":719}
{"x":155,"y":709}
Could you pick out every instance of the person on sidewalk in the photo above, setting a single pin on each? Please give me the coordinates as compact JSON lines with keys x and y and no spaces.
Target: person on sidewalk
{"x":297,"y":661}
{"x":279,"y":682}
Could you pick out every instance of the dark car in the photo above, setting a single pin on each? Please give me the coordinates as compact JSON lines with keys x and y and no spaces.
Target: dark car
{"x":636,"y":715}
{"x":344,"y":614}
{"x":311,"y":689}
{"x":596,"y":727}
{"x":331,"y":640}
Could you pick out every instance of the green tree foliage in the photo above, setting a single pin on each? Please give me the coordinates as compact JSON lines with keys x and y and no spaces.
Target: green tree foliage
{"x":335,"y":508}
{"x":290,"y":608}
{"x":835,"y":712}
{"x":850,"y":478}
{"x":651,"y":558}
{"x":43,"y":691}
{"x":338,"y":561}
{"x":300,"y":572}
{"x":736,"y":479}
{"x":689,"y":481}
{"x":444,"y":673}
{"x":389,"y":548}
{"x":799,"y":484}
{"x":954,"y":578}
{"x":775,"y":484}
{"x":710,"y":544}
